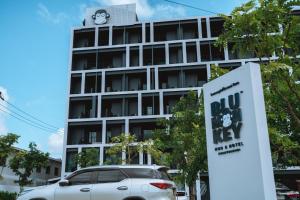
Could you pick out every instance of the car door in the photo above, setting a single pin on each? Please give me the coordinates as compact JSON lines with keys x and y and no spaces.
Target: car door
{"x":79,"y":187}
{"x":111,"y":184}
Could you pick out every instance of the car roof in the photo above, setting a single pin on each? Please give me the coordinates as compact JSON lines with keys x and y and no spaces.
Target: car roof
{"x":125,"y":166}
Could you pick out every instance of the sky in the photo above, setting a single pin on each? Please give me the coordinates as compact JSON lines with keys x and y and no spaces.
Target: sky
{"x":34,"y":57}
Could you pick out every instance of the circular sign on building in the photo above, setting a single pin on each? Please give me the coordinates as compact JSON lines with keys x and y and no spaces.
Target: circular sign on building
{"x":100,"y":17}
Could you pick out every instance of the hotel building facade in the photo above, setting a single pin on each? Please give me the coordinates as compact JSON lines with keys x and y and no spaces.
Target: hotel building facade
{"x":125,"y":74}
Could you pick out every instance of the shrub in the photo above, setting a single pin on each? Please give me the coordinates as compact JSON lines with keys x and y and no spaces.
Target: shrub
{"x":7,"y":195}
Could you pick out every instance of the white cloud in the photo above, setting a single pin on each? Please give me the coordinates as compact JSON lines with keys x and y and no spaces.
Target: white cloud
{"x":146,"y":11}
{"x":3,"y":115}
{"x":54,"y":18}
{"x":55,"y":143}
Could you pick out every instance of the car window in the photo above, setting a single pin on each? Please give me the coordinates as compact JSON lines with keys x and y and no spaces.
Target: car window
{"x":139,"y":172}
{"x":82,"y":178}
{"x":108,"y":176}
{"x":162,"y":174}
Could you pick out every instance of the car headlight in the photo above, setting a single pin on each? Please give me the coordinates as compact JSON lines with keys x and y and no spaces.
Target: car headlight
{"x":25,"y":191}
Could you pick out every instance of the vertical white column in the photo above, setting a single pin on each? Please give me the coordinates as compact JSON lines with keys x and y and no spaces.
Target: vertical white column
{"x":79,"y":151}
{"x":127,"y":126}
{"x":104,"y":131}
{"x":82,"y":83}
{"x":167,"y":53}
{"x":110,"y":36}
{"x":96,"y":36}
{"x":198,"y":51}
{"x":141,"y":157}
{"x":143,"y":33}
{"x":139,"y":104}
{"x":199,"y":28}
{"x":141,"y":55}
{"x":156,"y":77}
{"x":127,"y":56}
{"x":226,"y":53}
{"x":184,"y":52}
{"x":148,"y":78}
{"x":208,"y":71}
{"x":99,"y":106}
{"x":101,"y":158}
{"x":103,"y":81}
{"x":208,"y":27}
{"x":151,"y":32}
{"x":161,"y":103}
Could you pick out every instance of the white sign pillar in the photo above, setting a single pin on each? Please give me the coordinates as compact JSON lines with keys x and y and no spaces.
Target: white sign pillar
{"x":238,"y":148}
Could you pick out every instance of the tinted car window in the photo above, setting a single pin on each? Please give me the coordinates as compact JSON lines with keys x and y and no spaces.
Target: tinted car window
{"x":107,"y":176}
{"x":139,"y":172}
{"x":162,"y":174}
{"x":82,"y":178}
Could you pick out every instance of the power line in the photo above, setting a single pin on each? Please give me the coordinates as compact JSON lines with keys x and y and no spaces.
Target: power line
{"x":189,"y":6}
{"x":27,"y":119}
{"x":19,"y":109}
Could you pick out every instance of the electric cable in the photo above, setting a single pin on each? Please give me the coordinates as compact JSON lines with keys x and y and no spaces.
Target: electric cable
{"x":193,"y":7}
{"x":26,"y":121}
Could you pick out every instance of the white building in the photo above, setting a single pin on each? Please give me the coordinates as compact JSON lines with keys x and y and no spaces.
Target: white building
{"x":125,"y":74}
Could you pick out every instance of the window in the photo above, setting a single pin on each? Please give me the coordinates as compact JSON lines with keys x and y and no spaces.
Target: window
{"x":38,"y":170}
{"x":209,"y":52}
{"x":56,"y":171}
{"x":82,"y":178}
{"x":139,"y":172}
{"x":48,"y":170}
{"x":108,"y":176}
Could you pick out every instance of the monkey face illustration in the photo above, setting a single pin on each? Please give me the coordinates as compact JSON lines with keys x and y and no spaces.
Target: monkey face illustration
{"x":226,"y":120}
{"x":100,"y":17}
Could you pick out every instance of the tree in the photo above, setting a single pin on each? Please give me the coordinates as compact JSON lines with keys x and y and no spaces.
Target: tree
{"x":264,"y":29}
{"x":128,"y":144}
{"x":182,"y":139}
{"x":6,"y":148}
{"x":24,"y":162}
{"x":88,"y":157}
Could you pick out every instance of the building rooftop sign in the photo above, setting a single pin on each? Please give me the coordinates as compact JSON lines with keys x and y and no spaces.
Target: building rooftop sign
{"x":238,"y":147}
{"x":100,"y":17}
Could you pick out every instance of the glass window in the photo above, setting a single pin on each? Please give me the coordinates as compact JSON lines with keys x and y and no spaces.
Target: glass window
{"x":108,"y":176}
{"x":82,"y":178}
{"x":139,"y":173}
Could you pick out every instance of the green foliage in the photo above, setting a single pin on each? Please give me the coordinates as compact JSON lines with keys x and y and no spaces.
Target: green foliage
{"x":263,"y":28}
{"x":128,"y":143}
{"x":7,"y":195}
{"x":88,"y":157}
{"x":24,"y":162}
{"x":6,"y":142}
{"x":182,"y":138}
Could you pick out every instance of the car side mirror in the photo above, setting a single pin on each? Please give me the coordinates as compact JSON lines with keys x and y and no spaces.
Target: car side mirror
{"x":63,"y":183}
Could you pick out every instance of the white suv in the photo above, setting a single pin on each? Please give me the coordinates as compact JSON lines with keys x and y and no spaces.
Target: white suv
{"x":122,"y":182}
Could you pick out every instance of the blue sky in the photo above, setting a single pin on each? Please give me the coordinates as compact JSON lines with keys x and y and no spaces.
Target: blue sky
{"x":34,"y":53}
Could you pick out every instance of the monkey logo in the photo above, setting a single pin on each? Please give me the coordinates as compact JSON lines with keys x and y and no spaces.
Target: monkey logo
{"x":226,"y":119}
{"x":100,"y":17}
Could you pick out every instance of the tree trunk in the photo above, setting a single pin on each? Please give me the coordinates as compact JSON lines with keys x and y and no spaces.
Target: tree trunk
{"x":192,"y":192}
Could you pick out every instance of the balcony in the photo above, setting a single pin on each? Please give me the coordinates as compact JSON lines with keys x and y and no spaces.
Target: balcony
{"x":170,"y":100}
{"x":83,"y":107}
{"x":115,"y":159}
{"x":84,"y":133}
{"x":75,"y":87}
{"x":92,"y":82}
{"x":113,"y":129}
{"x":216,"y":26}
{"x":154,"y":55}
{"x":211,"y":53}
{"x":142,"y":128}
{"x":84,"y":60}
{"x":111,"y":58}
{"x":121,"y":105}
{"x":127,"y":34}
{"x":191,"y":52}
{"x":103,"y":36}
{"x":84,"y":38}
{"x":134,"y":56}
{"x":170,"y":78}
{"x":194,"y":76}
{"x":126,"y":81}
{"x":71,"y":165}
{"x":175,"y":53}
{"x":175,"y":30}
{"x":150,"y":104}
